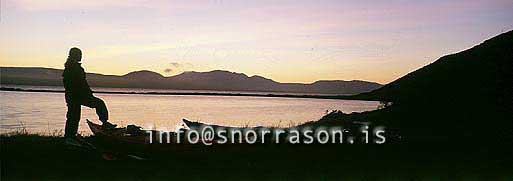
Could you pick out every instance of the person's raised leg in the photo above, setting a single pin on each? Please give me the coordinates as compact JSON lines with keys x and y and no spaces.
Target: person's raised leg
{"x":101,"y":110}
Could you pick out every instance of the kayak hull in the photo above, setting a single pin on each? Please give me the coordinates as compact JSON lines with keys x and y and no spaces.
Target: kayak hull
{"x":118,"y":134}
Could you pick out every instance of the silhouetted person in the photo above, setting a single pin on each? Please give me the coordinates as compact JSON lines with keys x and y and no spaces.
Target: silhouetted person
{"x":78,"y":93}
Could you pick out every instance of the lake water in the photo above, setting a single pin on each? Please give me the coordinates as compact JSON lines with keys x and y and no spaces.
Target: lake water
{"x":46,"y":112}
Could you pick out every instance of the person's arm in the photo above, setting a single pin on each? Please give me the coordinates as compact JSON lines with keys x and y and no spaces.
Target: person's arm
{"x":84,"y":86}
{"x":66,"y":80}
{"x":75,"y":81}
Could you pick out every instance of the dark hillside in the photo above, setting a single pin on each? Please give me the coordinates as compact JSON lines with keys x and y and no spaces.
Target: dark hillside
{"x":465,"y":96}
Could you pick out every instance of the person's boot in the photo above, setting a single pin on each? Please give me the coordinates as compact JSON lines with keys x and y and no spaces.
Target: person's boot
{"x":107,"y":125}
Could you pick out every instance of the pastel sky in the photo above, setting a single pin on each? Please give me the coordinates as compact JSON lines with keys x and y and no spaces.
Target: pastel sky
{"x":285,"y":40}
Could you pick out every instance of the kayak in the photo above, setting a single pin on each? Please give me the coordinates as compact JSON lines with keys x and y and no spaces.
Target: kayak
{"x":197,"y":125}
{"x":124,"y":135}
{"x":127,"y":134}
{"x":99,"y":131}
{"x":135,"y":135}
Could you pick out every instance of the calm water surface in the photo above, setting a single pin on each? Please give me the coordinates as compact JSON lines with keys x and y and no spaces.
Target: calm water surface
{"x":45,"y":112}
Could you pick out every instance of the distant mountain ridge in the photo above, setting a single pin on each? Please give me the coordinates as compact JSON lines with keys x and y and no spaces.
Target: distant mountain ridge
{"x":219,"y":80}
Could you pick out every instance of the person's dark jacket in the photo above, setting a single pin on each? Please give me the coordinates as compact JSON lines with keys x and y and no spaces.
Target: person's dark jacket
{"x":75,"y":83}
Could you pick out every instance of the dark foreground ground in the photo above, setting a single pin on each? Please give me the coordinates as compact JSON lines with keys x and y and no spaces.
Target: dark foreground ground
{"x":30,"y":157}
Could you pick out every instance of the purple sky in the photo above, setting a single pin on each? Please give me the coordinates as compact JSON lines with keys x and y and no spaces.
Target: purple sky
{"x":288,"y":41}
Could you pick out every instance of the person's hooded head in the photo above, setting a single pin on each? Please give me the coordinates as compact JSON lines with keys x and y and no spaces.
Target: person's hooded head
{"x":74,"y":56}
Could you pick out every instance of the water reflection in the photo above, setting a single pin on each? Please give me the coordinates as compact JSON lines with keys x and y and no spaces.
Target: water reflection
{"x":45,"y":112}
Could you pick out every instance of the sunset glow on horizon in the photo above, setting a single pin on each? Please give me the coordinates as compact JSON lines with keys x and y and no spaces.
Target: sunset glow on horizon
{"x":287,"y":41}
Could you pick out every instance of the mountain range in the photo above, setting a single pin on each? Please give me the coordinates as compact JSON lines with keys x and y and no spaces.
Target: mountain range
{"x":218,"y":80}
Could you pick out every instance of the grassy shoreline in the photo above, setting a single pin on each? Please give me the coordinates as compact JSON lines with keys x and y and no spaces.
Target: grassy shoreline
{"x":47,"y":158}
